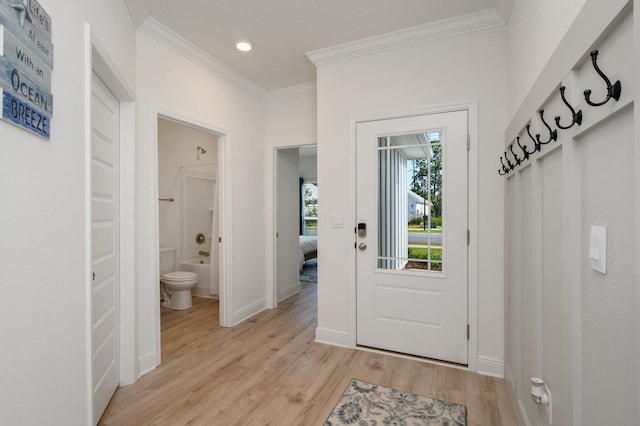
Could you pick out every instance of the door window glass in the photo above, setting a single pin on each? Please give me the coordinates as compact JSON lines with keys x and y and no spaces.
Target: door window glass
{"x":410,"y":202}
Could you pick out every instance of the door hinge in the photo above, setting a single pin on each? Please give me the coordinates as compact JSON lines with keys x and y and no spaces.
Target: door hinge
{"x":219,"y":239}
{"x":468,"y":332}
{"x":93,"y":277}
{"x":468,"y":237}
{"x":468,"y":143}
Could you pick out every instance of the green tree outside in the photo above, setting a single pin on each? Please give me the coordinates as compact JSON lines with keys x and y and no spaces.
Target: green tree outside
{"x":427,"y":178}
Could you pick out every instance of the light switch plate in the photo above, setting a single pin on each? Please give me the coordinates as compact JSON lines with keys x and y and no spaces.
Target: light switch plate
{"x":598,"y":248}
{"x":337,"y":222}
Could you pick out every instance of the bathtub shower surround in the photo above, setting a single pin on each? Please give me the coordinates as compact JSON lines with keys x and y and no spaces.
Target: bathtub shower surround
{"x":201,"y":265}
{"x":199,"y":225}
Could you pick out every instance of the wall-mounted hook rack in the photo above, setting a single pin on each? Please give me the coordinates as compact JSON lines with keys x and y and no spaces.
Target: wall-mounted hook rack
{"x":553,"y":134}
{"x":613,"y":90}
{"x":576,"y":117}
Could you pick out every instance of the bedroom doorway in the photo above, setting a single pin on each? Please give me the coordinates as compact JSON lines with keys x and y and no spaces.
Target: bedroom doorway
{"x":295,"y":220}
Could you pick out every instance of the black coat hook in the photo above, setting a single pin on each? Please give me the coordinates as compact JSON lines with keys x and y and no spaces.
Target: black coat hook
{"x":576,"y":117}
{"x":524,"y":150}
{"x":536,"y":144}
{"x":509,"y":163}
{"x":505,"y":169}
{"x":515,"y":156}
{"x":553,"y":134}
{"x":613,"y":91}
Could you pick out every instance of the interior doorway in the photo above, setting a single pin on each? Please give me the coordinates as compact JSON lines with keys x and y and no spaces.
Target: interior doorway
{"x":295,"y":220}
{"x":188,"y":206}
{"x":191,"y":199}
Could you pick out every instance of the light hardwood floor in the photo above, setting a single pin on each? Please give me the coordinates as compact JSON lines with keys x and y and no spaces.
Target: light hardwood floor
{"x":269,"y":371}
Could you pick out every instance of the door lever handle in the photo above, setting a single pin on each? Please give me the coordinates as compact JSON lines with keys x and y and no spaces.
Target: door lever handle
{"x":362,"y":246}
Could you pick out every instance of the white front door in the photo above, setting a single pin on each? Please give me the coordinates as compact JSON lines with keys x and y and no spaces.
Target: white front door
{"x":105,"y":371}
{"x":412,"y":188}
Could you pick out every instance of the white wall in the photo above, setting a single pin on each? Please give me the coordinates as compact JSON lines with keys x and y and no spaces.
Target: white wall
{"x":450,"y":70}
{"x":291,"y":121}
{"x":309,"y":163}
{"x":535,"y":29}
{"x":43,"y":310}
{"x":178,"y":87}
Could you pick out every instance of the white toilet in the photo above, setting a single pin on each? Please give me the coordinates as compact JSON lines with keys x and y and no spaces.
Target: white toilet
{"x":177,"y":284}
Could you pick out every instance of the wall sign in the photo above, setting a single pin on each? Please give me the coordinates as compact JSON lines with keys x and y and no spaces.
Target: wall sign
{"x":26,"y":64}
{"x":28,"y":34}
{"x":24,"y":115}
{"x":20,"y":85}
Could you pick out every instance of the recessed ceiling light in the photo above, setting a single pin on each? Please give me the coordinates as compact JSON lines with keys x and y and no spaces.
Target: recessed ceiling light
{"x":244,"y":45}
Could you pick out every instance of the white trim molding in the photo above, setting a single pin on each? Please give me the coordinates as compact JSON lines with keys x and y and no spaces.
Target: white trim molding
{"x":249,"y":311}
{"x":451,"y":27}
{"x":179,"y":44}
{"x":488,"y":366}
{"x":148,"y":363}
{"x":504,"y":9}
{"x":300,"y":90}
{"x":334,"y":337}
{"x":137,"y":10}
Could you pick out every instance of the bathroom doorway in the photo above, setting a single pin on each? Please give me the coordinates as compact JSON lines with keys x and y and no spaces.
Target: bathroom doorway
{"x":190,"y":179}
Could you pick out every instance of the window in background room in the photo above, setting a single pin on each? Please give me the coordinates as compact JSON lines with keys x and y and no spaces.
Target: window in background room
{"x":309,"y":207}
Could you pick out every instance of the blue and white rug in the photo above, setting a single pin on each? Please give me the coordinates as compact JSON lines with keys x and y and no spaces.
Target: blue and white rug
{"x":364,"y":404}
{"x":309,"y":272}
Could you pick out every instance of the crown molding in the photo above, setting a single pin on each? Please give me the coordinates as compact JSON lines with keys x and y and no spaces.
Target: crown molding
{"x":300,"y":90}
{"x":419,"y":34}
{"x":174,"y":41}
{"x":504,"y":9}
{"x":137,"y":10}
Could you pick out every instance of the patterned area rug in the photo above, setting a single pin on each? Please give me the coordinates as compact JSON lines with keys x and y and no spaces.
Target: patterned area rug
{"x":310,"y":271}
{"x":364,"y":404}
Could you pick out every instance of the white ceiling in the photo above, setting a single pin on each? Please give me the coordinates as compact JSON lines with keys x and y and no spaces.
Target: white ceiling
{"x":282,"y":31}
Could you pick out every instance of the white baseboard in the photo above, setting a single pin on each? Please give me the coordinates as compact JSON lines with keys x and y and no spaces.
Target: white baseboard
{"x":334,"y":337}
{"x":248,"y":311}
{"x":203,"y":292}
{"x":517,"y":406}
{"x":147,"y":363}
{"x":491,"y":367}
{"x":289,"y":291}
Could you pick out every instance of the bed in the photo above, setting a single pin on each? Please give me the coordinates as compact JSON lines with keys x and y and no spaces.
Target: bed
{"x":308,"y":248}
